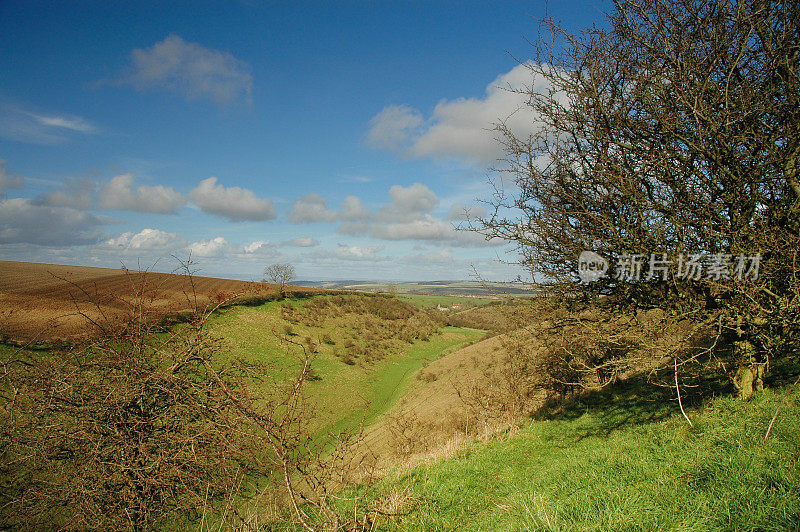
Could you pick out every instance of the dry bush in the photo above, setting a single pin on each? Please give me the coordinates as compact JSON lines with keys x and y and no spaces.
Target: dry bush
{"x":123,"y":433}
{"x":427,"y":376}
{"x":142,"y":429}
{"x":403,"y":429}
{"x":569,"y":347}
{"x":374,"y":326}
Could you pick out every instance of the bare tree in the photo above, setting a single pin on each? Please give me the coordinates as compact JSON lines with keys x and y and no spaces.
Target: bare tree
{"x":675,"y":129}
{"x":279,"y":275}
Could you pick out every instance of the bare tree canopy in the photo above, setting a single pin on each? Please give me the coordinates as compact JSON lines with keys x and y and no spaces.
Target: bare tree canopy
{"x":675,"y":129}
{"x":279,"y":275}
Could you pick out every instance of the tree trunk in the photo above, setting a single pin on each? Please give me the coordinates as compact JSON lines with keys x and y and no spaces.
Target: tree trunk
{"x":749,"y":377}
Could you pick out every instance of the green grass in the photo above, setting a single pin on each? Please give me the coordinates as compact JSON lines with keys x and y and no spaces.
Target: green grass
{"x":345,"y":394}
{"x":8,"y":351}
{"x":391,"y":378}
{"x":599,"y":472}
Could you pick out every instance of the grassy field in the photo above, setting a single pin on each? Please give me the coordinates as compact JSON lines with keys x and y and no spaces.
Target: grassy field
{"x":344,"y":394}
{"x":618,"y":458}
{"x":635,"y":467}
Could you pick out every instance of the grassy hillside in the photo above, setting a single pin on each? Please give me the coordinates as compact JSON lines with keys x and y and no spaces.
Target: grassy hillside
{"x":468,"y":429}
{"x":638,"y":466}
{"x":363,"y":361}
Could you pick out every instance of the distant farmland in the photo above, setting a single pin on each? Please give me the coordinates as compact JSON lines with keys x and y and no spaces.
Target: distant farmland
{"x":488,"y":290}
{"x":44,"y":302}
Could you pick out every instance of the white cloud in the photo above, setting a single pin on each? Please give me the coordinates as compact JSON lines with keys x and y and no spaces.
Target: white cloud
{"x":416,"y":198}
{"x":261,"y":246}
{"x":192,"y":71}
{"x":118,"y":194}
{"x":392,"y":127}
{"x":8,"y":180}
{"x":348,"y":253}
{"x":146,"y":240}
{"x":309,"y":209}
{"x":235,"y":203}
{"x":407,"y":216}
{"x":23,"y":221}
{"x":353,"y":209}
{"x":72,"y":123}
{"x":21,"y":125}
{"x":76,"y":193}
{"x":425,"y":228}
{"x":213,"y":247}
{"x":314,"y":208}
{"x":256,"y":246}
{"x":461,"y":128}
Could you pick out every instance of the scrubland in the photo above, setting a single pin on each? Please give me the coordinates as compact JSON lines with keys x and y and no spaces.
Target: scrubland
{"x":335,"y":410}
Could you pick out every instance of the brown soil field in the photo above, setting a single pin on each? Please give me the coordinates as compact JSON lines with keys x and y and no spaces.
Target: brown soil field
{"x":41,"y":303}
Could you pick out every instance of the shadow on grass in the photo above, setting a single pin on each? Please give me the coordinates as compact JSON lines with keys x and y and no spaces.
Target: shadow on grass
{"x":637,"y":400}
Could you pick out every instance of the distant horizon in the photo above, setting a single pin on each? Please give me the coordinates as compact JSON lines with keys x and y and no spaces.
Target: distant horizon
{"x":247,"y":277}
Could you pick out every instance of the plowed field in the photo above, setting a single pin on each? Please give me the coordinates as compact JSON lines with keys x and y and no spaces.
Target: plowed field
{"x":44,"y":302}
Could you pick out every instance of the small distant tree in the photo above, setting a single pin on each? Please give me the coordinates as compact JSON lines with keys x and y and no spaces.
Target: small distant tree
{"x":279,"y":275}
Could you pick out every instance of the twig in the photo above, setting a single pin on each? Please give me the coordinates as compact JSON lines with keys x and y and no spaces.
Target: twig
{"x":779,"y":407}
{"x":678,"y":388}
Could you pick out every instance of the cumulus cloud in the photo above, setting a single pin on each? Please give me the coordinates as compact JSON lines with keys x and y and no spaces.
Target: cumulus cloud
{"x":392,"y":127}
{"x":314,"y":208}
{"x":192,"y":71}
{"x":8,"y":180}
{"x":311,"y":208}
{"x":23,"y":221}
{"x":235,"y":203}
{"x":76,"y":193}
{"x":119,"y":194}
{"x":146,"y":240}
{"x":416,"y":198}
{"x":213,"y":247}
{"x":21,"y":125}
{"x":425,"y":228}
{"x":460,"y":128}
{"x":408,"y":204}
{"x":408,"y":217}
{"x":353,"y":209}
{"x":256,"y":246}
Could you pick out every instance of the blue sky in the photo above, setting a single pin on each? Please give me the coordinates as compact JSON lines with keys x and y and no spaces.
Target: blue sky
{"x":346,"y":138}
